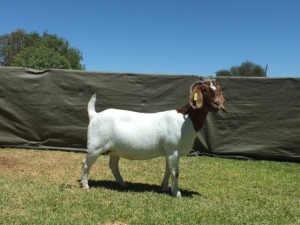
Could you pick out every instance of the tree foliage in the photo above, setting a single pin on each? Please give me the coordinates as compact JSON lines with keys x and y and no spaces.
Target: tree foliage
{"x":41,"y":58}
{"x":246,"y":69}
{"x":38,"y":51}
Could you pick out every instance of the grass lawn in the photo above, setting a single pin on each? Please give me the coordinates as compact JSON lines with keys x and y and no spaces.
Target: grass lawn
{"x":41,"y":187}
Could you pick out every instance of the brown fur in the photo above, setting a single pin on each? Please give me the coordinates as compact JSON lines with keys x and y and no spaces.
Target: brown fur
{"x":207,"y":98}
{"x":197,"y":116}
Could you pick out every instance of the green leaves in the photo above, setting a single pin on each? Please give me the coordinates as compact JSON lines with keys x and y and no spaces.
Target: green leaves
{"x":38,"y":51}
{"x":10,"y":45}
{"x":41,"y":58}
{"x":246,"y":69}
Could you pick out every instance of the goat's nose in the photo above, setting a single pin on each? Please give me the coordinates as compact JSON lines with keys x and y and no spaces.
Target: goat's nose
{"x":217,"y":103}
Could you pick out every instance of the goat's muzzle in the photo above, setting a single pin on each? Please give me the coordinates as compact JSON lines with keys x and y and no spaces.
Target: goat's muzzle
{"x":215,"y":106}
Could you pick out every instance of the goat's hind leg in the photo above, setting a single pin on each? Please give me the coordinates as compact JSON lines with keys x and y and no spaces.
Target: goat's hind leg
{"x":165,"y":182}
{"x":114,"y":166}
{"x":91,"y":157}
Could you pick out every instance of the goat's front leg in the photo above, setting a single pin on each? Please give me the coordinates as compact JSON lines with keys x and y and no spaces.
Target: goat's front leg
{"x":173,"y":161}
{"x":114,"y":166}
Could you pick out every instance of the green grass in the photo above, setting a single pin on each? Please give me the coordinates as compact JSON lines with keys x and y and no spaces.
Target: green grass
{"x":41,"y":187}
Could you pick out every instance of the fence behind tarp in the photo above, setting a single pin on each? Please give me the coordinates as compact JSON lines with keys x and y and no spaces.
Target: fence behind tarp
{"x":47,"y":110}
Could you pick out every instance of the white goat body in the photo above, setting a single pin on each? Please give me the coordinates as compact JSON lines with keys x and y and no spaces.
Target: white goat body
{"x":133,"y":135}
{"x":141,"y":136}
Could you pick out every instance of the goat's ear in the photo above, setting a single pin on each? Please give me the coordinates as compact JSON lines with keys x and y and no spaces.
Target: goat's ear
{"x":196,"y":98}
{"x":222,"y":100}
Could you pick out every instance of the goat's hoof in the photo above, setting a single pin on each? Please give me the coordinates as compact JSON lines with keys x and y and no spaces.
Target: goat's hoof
{"x":84,"y":186}
{"x":165,"y":190}
{"x":123,"y":185}
{"x":177,"y":195}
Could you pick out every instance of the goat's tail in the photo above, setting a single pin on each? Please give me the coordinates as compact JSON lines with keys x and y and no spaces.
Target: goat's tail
{"x":91,"y":107}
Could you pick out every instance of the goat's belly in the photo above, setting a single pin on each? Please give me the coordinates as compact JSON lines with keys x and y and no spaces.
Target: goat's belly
{"x":136,"y":154}
{"x":139,"y":145}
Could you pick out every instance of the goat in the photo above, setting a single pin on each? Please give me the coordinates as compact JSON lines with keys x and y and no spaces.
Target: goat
{"x":141,"y":136}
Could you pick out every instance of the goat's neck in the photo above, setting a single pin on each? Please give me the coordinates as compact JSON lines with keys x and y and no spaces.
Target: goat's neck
{"x":197,"y":116}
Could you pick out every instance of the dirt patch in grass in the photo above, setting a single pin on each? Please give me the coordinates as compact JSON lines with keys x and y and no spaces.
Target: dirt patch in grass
{"x":16,"y":161}
{"x":54,"y":166}
{"x":115,"y":223}
{"x":11,"y":163}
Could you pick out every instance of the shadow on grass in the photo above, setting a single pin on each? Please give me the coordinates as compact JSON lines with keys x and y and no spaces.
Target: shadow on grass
{"x":137,"y":187}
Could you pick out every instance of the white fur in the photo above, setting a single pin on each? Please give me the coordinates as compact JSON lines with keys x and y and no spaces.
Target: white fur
{"x":138,"y":136}
{"x":212,"y":86}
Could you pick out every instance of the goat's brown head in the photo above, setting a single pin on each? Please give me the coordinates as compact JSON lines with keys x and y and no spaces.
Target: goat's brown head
{"x":207,"y":94}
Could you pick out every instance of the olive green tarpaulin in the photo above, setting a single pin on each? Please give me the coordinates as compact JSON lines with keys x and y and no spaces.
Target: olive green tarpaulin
{"x":47,"y":110}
